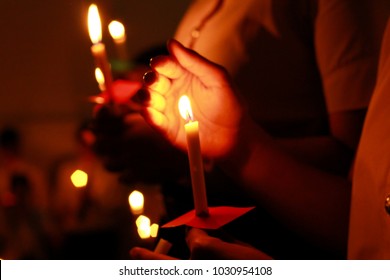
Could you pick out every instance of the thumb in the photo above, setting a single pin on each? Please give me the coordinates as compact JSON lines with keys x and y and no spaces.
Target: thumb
{"x":210,"y":73}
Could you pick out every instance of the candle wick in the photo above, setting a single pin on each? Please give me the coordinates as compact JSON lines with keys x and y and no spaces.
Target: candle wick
{"x":189,"y":118}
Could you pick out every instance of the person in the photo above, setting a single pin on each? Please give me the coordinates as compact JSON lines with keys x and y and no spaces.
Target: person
{"x":244,"y":150}
{"x":300,"y":96}
{"x":84,"y":214}
{"x":370,"y":208}
{"x":296,"y":64}
{"x":26,"y":223}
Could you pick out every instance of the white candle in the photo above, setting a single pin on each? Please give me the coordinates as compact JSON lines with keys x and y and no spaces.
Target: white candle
{"x":163,"y":246}
{"x":117,"y":32}
{"x":195,"y":157}
{"x":98,"y":49}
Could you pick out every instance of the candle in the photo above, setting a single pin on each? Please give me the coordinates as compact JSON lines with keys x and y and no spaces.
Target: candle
{"x":195,"y":157}
{"x":163,"y":246}
{"x":136,"y":202}
{"x":117,"y":32}
{"x":98,"y":49}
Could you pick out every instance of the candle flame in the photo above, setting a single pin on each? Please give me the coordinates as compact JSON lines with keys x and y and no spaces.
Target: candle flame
{"x":136,"y":201}
{"x":94,"y":24}
{"x":117,"y":30}
{"x":143,"y":226}
{"x":185,"y":108}
{"x":154,"y":230}
{"x":79,"y":178}
{"x":144,"y":231}
{"x":142,"y":220}
{"x":99,"y":78}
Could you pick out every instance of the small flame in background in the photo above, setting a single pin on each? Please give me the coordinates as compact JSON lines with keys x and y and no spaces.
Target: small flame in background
{"x":79,"y":178}
{"x":94,"y":24}
{"x":117,"y":31}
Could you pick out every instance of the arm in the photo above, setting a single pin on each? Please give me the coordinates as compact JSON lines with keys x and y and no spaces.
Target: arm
{"x":312,"y":202}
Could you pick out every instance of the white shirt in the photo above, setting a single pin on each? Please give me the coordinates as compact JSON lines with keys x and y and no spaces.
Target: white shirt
{"x":369,"y":232}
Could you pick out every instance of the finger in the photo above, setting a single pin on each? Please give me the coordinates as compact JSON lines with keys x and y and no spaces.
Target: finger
{"x":157,"y":101}
{"x":203,"y":246}
{"x":195,"y":238}
{"x":166,"y":66}
{"x":138,"y":253}
{"x":156,"y":119}
{"x":209,"y":73}
{"x":156,"y":82}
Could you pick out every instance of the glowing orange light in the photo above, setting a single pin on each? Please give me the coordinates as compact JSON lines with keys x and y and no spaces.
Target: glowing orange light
{"x":94,"y":24}
{"x":79,"y":178}
{"x":142,"y":220}
{"x":143,"y":226}
{"x":96,"y":99}
{"x":144,"y":231}
{"x":136,"y":202}
{"x":117,"y":31}
{"x":185,"y":108}
{"x":99,"y":78}
{"x":154,"y":230}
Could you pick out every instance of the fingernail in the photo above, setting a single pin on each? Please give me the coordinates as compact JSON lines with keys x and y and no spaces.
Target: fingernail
{"x":151,"y":62}
{"x":150,"y":77}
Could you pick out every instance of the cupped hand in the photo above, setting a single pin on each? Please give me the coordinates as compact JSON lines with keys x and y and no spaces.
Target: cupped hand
{"x":214,"y":102}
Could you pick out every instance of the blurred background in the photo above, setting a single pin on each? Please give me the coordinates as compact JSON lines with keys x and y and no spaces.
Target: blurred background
{"x":46,"y":66}
{"x":47,"y":73}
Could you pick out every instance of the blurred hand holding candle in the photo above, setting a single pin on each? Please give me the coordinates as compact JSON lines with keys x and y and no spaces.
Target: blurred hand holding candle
{"x":195,"y":157}
{"x":117,"y":32}
{"x":98,"y":49}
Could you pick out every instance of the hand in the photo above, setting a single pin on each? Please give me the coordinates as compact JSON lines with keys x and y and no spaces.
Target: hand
{"x":213,"y":100}
{"x":203,"y":246}
{"x":127,"y":144}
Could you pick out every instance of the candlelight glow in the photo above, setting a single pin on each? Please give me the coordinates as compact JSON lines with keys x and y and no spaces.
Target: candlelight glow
{"x":94,"y":24}
{"x":143,"y":226}
{"x":142,"y":221}
{"x":185,"y":108}
{"x":117,"y":30}
{"x":144,"y":231}
{"x":136,"y":202}
{"x":154,"y":230}
{"x":99,"y":78}
{"x":79,"y":178}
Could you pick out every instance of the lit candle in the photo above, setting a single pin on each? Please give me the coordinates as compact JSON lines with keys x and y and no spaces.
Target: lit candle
{"x":117,"y":32}
{"x":98,"y":49}
{"x":195,"y":157}
{"x":136,"y":202}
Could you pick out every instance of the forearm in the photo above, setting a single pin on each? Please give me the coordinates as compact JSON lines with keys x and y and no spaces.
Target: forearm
{"x":311,"y":202}
{"x":323,"y":152}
